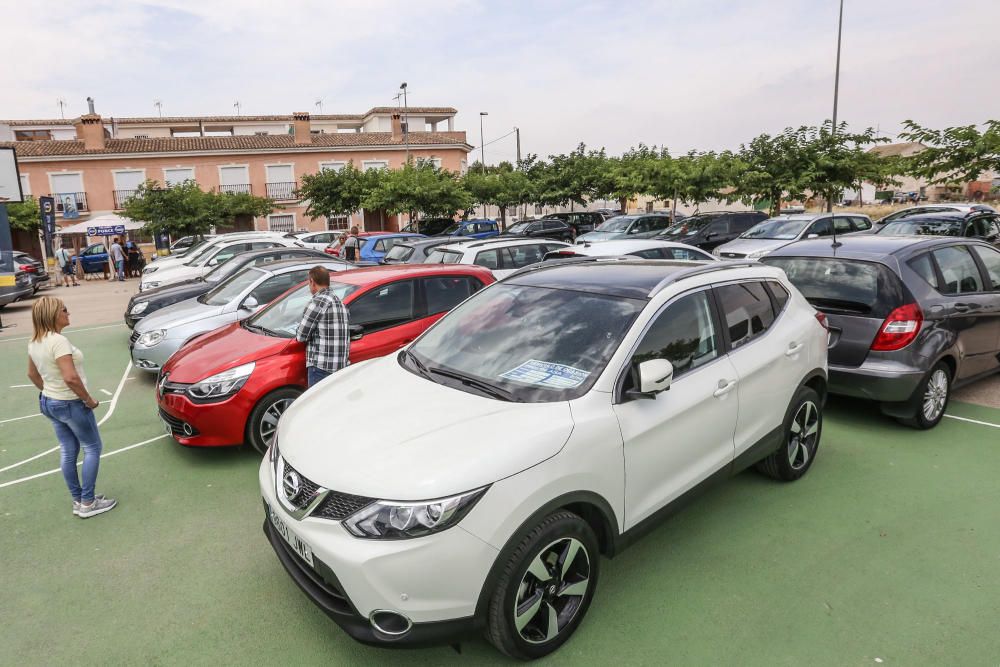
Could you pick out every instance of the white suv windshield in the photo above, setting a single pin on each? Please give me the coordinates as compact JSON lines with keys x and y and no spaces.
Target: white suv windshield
{"x":544,"y":344}
{"x":443,"y":257}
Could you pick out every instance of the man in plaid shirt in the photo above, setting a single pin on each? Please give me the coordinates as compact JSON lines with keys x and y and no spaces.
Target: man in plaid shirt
{"x":324,"y":329}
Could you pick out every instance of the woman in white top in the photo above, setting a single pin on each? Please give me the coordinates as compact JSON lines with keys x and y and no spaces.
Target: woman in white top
{"x":55,"y":366}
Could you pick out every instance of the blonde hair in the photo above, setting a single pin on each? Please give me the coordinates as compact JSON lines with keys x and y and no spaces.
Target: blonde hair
{"x":44,"y":314}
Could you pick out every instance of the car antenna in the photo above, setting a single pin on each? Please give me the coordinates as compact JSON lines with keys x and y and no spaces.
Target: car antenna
{"x":833,"y":227}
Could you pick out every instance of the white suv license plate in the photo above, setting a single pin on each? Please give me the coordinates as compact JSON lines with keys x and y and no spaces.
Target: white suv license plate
{"x":301,"y":548}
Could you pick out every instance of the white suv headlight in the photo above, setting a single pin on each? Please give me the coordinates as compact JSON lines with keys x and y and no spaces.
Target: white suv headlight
{"x":149,"y":285}
{"x":222,"y":384}
{"x":151,"y":338}
{"x":389,"y":520}
{"x":139,"y":308}
{"x":150,"y":269}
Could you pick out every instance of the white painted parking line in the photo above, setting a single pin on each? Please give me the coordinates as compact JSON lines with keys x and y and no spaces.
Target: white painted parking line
{"x":118,"y":391}
{"x":21,"y":386}
{"x":106,"y":392}
{"x":103,"y":456}
{"x":973,"y":421}
{"x":68,"y":330}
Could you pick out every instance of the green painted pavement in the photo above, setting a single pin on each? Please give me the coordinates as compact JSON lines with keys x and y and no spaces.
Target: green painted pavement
{"x":887,"y":550}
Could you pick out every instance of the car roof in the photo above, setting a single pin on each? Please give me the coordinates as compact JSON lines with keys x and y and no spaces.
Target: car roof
{"x":956,"y":216}
{"x":494,"y":242}
{"x":430,"y":240}
{"x":390,"y":272}
{"x":861,"y":246}
{"x":298,"y":262}
{"x":384,"y":235}
{"x":627,"y":277}
{"x":624,"y":246}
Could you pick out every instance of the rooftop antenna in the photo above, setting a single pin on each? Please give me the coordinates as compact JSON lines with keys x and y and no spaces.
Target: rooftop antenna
{"x":319,"y":105}
{"x":62,"y":107}
{"x":237,"y":106}
{"x":159,"y":107}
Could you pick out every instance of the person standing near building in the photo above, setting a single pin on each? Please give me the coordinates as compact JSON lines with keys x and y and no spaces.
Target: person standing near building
{"x":55,"y":366}
{"x":66,"y":265}
{"x":118,"y":257}
{"x":351,"y":250}
{"x":324,"y":329}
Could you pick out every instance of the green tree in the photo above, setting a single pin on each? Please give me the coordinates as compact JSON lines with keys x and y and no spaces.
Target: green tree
{"x":185,"y":208}
{"x":838,"y":160}
{"x":770,"y":168}
{"x":502,"y":186}
{"x":954,"y":154}
{"x":703,"y":176}
{"x":626,"y":177}
{"x":418,"y":188}
{"x":25,"y":216}
{"x":336,"y":192}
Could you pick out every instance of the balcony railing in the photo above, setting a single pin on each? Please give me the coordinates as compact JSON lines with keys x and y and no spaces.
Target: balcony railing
{"x":121,"y":196}
{"x":237,"y":187}
{"x":281,"y":191}
{"x":79,"y":200}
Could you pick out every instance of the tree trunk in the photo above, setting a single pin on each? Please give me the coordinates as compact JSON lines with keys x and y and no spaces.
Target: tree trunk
{"x":503,"y":218}
{"x":673,"y":212}
{"x":775,"y":204}
{"x":623,"y":204}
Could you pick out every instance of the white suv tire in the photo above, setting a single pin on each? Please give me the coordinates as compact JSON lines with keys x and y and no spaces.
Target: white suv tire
{"x":801,"y":432}
{"x":534,"y":581}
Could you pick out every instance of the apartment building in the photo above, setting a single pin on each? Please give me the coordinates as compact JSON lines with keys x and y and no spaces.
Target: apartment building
{"x":91,"y":165}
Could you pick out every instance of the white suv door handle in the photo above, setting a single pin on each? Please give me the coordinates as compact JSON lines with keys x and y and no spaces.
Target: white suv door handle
{"x":793,"y":349}
{"x":724,"y":388}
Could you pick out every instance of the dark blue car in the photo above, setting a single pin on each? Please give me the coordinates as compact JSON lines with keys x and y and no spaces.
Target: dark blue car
{"x":473,"y":229}
{"x":94,"y":258}
{"x":374,"y":247}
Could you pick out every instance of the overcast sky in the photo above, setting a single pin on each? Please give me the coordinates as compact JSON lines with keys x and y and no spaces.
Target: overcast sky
{"x":688,"y":74}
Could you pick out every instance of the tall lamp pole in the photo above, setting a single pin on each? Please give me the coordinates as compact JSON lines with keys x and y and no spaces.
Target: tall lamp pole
{"x":406,"y":132}
{"x":482,"y":142}
{"x":836,"y":92}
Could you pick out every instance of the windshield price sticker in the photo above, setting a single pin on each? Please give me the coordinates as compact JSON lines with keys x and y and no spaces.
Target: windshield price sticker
{"x":547,"y":374}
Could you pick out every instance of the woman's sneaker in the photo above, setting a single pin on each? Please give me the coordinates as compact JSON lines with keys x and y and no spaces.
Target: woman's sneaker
{"x":77,"y":503}
{"x":99,"y":506}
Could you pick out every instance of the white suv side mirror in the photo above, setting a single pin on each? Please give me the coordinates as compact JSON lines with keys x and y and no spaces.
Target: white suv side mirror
{"x":652,"y":377}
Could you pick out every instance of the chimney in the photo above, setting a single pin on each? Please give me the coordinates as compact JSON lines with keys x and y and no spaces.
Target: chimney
{"x":301,"y":127}
{"x":90,"y":130}
{"x":397,"y":126}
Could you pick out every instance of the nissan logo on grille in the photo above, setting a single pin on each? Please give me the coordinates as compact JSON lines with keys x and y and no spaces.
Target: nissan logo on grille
{"x":291,"y":484}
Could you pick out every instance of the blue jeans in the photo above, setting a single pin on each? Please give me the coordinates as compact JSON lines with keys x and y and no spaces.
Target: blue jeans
{"x":120,"y":267}
{"x":314,"y":375}
{"x":75,"y":427}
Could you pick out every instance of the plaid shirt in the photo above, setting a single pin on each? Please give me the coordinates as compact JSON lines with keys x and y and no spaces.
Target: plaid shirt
{"x":324,"y":330}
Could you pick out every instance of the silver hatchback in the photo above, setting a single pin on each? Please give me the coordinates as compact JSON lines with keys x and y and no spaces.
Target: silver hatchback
{"x":159,"y":335}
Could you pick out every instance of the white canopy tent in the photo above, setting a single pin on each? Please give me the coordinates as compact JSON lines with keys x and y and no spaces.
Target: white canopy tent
{"x":106,"y":220}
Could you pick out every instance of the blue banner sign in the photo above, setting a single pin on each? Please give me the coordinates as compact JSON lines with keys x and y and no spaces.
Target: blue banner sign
{"x":109,"y":230}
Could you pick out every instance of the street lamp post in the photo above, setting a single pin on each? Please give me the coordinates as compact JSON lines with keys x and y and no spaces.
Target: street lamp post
{"x":836,"y":93}
{"x":406,"y":132}
{"x":482,"y":142}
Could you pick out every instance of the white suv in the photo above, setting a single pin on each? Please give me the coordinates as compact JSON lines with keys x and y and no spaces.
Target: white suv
{"x":474,"y":480}
{"x":501,"y":256}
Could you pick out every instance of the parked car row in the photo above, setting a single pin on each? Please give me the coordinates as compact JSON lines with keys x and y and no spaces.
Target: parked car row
{"x":528,"y":422}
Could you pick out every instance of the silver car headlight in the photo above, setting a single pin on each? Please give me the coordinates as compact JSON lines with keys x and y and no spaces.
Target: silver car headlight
{"x":757,"y":254}
{"x":222,"y":384}
{"x":139,"y":308}
{"x":390,"y":520}
{"x":151,"y":338}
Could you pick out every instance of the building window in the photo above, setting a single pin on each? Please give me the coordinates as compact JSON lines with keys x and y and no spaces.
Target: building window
{"x":436,"y":161}
{"x":127,"y":182}
{"x":464,"y":167}
{"x":284,"y":222}
{"x":368,"y":165}
{"x":338,"y":223}
{"x":234,"y":179}
{"x":32,"y":135}
{"x":141,"y":136}
{"x":25,"y":185}
{"x":260,"y":134}
{"x":178,"y":175}
{"x":335,"y":166}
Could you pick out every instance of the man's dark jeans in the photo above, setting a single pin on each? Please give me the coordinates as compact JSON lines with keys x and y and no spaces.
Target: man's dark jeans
{"x":314,"y":375}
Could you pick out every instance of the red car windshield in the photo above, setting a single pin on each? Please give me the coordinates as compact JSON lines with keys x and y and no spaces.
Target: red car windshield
{"x":282,"y":317}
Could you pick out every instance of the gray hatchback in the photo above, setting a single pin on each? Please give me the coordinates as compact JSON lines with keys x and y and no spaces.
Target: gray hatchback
{"x":910,"y":318}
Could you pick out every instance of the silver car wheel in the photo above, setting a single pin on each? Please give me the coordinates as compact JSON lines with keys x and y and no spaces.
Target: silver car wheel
{"x":552,"y":591}
{"x":936,"y":395}
{"x":803,"y":434}
{"x":269,"y":421}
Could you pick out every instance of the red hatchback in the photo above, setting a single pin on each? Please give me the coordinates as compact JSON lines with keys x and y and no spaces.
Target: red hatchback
{"x":231,"y":385}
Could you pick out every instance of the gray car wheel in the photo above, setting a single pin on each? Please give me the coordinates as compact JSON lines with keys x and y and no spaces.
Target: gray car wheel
{"x":931,"y":398}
